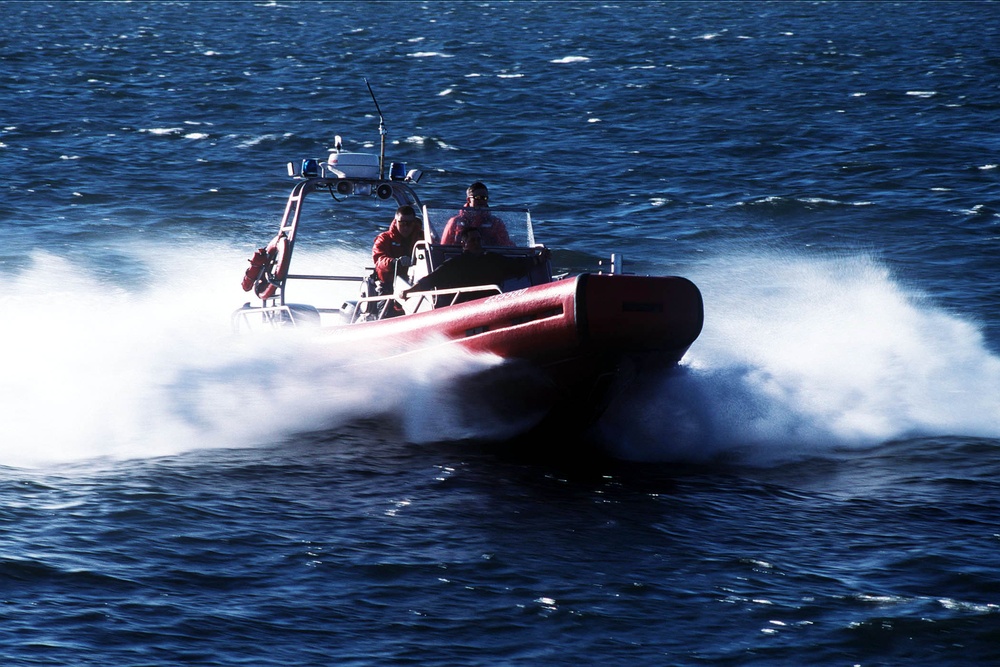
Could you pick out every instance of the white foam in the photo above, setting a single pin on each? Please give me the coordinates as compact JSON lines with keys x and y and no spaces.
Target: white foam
{"x":801,"y":355}
{"x":94,"y":370}
{"x":430,"y":54}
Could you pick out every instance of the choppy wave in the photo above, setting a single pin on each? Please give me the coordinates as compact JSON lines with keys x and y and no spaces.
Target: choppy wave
{"x":824,"y":127}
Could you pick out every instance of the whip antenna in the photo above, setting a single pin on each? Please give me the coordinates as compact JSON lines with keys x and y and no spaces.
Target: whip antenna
{"x":381,"y":131}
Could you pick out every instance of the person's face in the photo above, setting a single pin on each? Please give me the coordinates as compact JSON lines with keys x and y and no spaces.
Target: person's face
{"x":478,"y":199}
{"x":407,"y":224}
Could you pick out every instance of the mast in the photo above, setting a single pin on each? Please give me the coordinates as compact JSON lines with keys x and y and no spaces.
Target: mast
{"x":381,"y":132}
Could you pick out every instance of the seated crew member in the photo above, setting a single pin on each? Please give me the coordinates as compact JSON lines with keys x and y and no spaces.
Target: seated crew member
{"x":475,"y":266}
{"x":477,"y":214}
{"x":392,"y":249}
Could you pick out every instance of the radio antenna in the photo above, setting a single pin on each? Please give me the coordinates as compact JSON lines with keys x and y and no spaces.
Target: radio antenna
{"x":381,"y":132}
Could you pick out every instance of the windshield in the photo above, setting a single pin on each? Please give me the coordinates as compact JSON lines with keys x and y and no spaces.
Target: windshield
{"x":501,"y":225}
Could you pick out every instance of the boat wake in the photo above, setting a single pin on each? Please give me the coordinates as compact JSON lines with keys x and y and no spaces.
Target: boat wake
{"x":100,"y":371}
{"x":803,"y":356}
{"x":797,"y":355}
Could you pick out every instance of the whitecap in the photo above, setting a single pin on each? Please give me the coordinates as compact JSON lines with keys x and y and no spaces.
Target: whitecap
{"x":971,"y":607}
{"x":430,"y":54}
{"x":254,"y":141}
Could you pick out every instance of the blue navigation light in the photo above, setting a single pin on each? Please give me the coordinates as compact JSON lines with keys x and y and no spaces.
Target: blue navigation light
{"x":310,"y":168}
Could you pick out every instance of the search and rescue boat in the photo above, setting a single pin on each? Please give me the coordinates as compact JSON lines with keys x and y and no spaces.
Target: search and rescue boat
{"x":575,"y":337}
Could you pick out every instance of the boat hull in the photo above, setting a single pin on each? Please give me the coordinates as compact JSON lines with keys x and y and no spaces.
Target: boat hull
{"x":579,"y":340}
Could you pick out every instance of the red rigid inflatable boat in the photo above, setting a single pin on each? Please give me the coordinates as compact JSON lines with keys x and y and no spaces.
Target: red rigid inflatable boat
{"x":579,"y":338}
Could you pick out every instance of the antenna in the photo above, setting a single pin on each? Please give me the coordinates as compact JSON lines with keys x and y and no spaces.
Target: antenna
{"x":381,"y":131}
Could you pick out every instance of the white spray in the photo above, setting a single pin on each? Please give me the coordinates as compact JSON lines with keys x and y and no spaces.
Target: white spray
{"x":797,"y":354}
{"x":801,"y":355}
{"x":93,"y":370}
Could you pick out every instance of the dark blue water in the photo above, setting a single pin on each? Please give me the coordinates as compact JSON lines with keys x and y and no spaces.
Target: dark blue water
{"x":817,"y":485}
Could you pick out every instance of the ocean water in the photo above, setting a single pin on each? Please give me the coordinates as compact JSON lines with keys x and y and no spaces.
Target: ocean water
{"x":817,"y":484}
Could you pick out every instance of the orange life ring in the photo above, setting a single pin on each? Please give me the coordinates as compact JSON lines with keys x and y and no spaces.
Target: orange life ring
{"x":276,"y":267}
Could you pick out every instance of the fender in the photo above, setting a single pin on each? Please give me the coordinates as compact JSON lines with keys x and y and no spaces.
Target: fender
{"x":256,"y":269}
{"x":275,"y":267}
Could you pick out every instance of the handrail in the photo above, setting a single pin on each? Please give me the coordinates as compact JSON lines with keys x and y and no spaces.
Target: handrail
{"x":371,"y":299}
{"x":281,"y":314}
{"x":427,"y":295}
{"x":301,"y":276}
{"x":270,"y":316}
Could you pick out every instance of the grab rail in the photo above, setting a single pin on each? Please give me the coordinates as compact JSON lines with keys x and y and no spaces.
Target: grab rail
{"x":285,"y":315}
{"x":429,"y":295}
{"x":300,"y":276}
{"x":270,"y":316}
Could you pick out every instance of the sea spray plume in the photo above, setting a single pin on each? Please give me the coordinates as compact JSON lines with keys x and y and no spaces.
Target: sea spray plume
{"x":803,"y":355}
{"x":100,"y":370}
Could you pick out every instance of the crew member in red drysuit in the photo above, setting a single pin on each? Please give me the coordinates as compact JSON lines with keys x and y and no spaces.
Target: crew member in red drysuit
{"x":477,"y":214}
{"x":392,"y":249}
